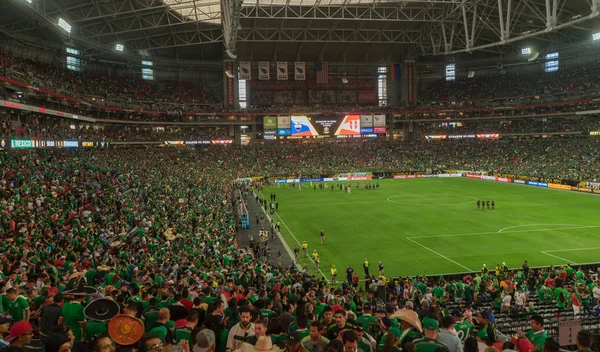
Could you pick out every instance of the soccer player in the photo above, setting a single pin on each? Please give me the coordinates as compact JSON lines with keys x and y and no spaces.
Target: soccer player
{"x":488,"y":204}
{"x":304,"y":247}
{"x":493,"y":204}
{"x":380,"y":268}
{"x":478,"y":203}
{"x":322,"y":236}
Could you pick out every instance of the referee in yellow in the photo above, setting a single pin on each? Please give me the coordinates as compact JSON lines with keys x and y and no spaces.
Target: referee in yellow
{"x":366,"y":267}
{"x":333,"y":274}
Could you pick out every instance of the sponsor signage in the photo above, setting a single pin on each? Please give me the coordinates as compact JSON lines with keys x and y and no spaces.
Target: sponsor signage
{"x":581,"y":189}
{"x":595,"y":133}
{"x":436,"y":137}
{"x":87,"y":144}
{"x":51,"y":144}
{"x":364,"y":130}
{"x":270,"y":123}
{"x":559,"y":186}
{"x":71,"y":144}
{"x":489,"y":135}
{"x":379,"y":130}
{"x":22,"y":143}
{"x":406,"y":176}
{"x":196,"y":142}
{"x":359,"y":178}
{"x":483,"y":177}
{"x":222,"y":141}
{"x":473,"y":176}
{"x":284,"y":132}
{"x":503,"y":179}
{"x":449,"y":175}
{"x":174,"y":142}
{"x":519,"y":181}
{"x":461,"y":136}
{"x":4,"y":143}
{"x":537,"y":184}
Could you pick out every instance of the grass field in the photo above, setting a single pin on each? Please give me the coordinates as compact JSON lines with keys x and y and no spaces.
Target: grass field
{"x":432,"y":226}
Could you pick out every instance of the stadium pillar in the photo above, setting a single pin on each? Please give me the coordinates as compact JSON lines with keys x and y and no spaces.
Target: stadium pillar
{"x":409,"y":93}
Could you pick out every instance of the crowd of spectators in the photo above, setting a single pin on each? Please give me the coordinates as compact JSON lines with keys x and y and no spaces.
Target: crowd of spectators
{"x":152,"y":233}
{"x":105,"y":90}
{"x":55,"y":129}
{"x":572,"y":83}
{"x":569,"y":89}
{"x":513,"y":126}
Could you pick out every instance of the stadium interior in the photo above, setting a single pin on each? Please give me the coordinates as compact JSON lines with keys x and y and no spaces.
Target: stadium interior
{"x":146,"y":147}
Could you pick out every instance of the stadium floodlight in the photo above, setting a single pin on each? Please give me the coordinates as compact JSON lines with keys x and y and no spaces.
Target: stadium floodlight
{"x":29,"y":1}
{"x":595,"y":36}
{"x":64,"y":25}
{"x":525,"y":51}
{"x":119,"y":47}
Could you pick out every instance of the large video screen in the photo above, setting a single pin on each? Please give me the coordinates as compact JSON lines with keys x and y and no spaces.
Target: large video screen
{"x":331,"y":125}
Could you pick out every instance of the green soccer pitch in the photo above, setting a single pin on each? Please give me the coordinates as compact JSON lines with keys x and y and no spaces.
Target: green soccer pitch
{"x":432,"y":226}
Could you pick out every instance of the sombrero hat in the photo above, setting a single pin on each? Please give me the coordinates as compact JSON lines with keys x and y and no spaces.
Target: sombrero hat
{"x":263,"y":344}
{"x":103,"y":268}
{"x":81,"y":290}
{"x":102,"y":309}
{"x":76,"y":275}
{"x":125,"y":330}
{"x":409,"y":316}
{"x":116,"y":244}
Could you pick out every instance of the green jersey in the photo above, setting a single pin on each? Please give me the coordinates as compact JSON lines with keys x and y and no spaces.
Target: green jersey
{"x":463,"y":329}
{"x":17,"y":308}
{"x":537,"y":338}
{"x":72,"y":312}
{"x":427,"y":345}
{"x":368,"y":322}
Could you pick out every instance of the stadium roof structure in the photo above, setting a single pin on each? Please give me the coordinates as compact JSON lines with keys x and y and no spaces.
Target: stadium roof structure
{"x":304,"y":30}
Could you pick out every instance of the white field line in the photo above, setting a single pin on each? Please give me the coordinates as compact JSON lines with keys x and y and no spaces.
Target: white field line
{"x":573,"y":249}
{"x":561,"y":258}
{"x":497,"y":232}
{"x":299,"y":245}
{"x":441,"y":255}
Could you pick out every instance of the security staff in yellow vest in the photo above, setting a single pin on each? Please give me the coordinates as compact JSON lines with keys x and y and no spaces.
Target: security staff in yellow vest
{"x":333,"y":274}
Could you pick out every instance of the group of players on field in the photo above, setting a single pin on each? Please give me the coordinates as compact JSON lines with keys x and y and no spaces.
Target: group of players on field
{"x":481,"y":204}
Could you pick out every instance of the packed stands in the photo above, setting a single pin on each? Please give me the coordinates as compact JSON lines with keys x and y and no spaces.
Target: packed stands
{"x":103,"y":90}
{"x":155,"y":232}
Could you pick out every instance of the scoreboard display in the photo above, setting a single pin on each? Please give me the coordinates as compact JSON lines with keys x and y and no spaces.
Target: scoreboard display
{"x":325,"y":126}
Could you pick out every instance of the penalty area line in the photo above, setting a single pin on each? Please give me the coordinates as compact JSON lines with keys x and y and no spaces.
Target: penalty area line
{"x":441,"y":255}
